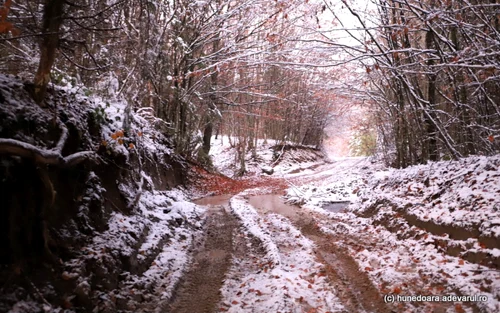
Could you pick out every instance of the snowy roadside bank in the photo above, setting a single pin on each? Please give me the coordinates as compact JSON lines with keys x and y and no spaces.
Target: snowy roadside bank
{"x":428,"y":229}
{"x":153,"y":247}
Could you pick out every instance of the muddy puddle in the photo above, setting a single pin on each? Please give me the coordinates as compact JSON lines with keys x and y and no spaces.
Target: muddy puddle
{"x":336,"y":207}
{"x":272,"y":203}
{"x":214,"y":200}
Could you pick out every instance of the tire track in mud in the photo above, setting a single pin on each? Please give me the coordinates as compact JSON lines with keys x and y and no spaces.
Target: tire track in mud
{"x":199,"y":290}
{"x":354,"y":287}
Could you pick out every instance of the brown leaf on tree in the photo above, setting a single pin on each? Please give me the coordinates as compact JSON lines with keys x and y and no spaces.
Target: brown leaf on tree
{"x":5,"y":27}
{"x":4,"y":10}
{"x":15,"y":32}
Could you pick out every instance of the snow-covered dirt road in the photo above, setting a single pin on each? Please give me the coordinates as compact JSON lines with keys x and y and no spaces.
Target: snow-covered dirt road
{"x":318,"y":257}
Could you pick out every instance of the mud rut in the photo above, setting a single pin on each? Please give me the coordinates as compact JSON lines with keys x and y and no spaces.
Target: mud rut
{"x":199,"y":290}
{"x":353,"y":287}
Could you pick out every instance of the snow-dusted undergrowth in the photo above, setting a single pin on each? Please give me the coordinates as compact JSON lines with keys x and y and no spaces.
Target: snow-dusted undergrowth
{"x":281,"y":162}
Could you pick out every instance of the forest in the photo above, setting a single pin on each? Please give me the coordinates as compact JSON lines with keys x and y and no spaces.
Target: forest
{"x":425,"y":72}
{"x":122,"y":122}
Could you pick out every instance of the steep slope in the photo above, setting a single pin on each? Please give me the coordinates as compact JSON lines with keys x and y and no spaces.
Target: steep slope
{"x":105,"y":233}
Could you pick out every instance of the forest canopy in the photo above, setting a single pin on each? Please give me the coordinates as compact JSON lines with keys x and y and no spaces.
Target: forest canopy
{"x":425,"y":72}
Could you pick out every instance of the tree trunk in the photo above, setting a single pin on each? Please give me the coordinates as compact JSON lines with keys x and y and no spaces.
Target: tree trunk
{"x":52,"y":20}
{"x":431,"y":96}
{"x":207,"y":135}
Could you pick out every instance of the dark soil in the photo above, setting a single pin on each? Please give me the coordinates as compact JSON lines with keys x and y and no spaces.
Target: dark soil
{"x":200,"y":290}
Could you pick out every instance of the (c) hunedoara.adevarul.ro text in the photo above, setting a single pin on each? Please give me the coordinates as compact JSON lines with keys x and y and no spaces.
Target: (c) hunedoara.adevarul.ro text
{"x":391,"y":298}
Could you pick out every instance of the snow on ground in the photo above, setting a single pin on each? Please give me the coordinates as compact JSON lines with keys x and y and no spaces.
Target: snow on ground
{"x":464,"y":193}
{"x":287,"y":279}
{"x":333,"y":182}
{"x":429,"y":229}
{"x":154,"y":243}
{"x":281,"y":161}
{"x":252,"y":222}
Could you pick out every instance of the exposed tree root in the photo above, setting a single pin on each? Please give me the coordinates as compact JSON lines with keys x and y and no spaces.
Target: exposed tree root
{"x":43,"y":158}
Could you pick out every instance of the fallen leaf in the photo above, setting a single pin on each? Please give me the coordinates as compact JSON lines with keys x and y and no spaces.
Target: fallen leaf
{"x":66,"y":303}
{"x":67,"y":276}
{"x":459,"y":309}
{"x":17,"y":270}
